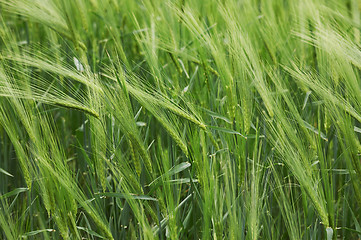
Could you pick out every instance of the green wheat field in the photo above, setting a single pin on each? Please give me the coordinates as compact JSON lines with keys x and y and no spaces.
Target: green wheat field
{"x":180,"y":119}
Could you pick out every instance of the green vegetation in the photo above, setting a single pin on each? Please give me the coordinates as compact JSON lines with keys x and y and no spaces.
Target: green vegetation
{"x":217,"y":119}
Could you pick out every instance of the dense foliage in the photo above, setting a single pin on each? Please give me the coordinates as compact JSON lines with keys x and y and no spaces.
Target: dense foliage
{"x":217,"y":119}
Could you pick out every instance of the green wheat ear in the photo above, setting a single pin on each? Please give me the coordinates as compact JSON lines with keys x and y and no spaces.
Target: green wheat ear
{"x":136,"y":161}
